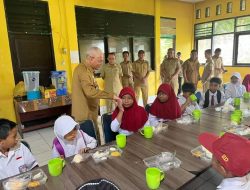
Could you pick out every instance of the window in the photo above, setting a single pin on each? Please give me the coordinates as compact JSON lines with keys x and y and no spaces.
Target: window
{"x":218,"y":10}
{"x":243,"y":56}
{"x":226,"y":43}
{"x":229,"y":7}
{"x":203,"y":45}
{"x":207,"y":13}
{"x":202,"y":30}
{"x":243,"y":24}
{"x":118,"y":45}
{"x":198,"y":13}
{"x":143,"y":44}
{"x":224,"y":26}
{"x":242,"y":5}
{"x":168,"y":32}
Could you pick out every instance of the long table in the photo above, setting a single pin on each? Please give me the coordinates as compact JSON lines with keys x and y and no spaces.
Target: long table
{"x":128,"y":171}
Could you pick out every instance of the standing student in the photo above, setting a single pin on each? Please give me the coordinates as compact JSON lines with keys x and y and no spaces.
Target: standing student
{"x":191,"y":69}
{"x":235,"y":89}
{"x":15,"y":158}
{"x":128,"y":116}
{"x":141,"y":69}
{"x":213,"y":95}
{"x":169,"y":70}
{"x":85,"y":90}
{"x":218,"y":64}
{"x":186,"y":104}
{"x":70,"y":140}
{"x":231,"y":159}
{"x":111,"y":74}
{"x":165,"y":106}
{"x":126,"y":65}
{"x":180,"y":76}
{"x":208,"y":72}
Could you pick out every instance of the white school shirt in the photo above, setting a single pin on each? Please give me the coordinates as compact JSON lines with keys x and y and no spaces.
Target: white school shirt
{"x":235,"y":183}
{"x":72,"y":148}
{"x":19,"y":160}
{"x":115,"y":127}
{"x":234,"y":90}
{"x":193,"y":106}
{"x":202,"y":100}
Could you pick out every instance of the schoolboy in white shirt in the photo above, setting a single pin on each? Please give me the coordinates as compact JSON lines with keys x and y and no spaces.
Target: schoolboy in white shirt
{"x":15,"y":158}
{"x":231,"y":159}
{"x":213,"y":95}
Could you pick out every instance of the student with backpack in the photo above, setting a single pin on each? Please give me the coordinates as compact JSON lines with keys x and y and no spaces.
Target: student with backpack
{"x":70,"y":140}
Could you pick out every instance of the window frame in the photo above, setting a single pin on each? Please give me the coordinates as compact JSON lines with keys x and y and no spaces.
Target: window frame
{"x":235,"y":42}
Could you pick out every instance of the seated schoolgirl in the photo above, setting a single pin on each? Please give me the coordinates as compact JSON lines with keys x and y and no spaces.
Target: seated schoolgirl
{"x":165,"y":106}
{"x":70,"y":140}
{"x":187,"y":105}
{"x":128,"y":116}
{"x":235,"y":89}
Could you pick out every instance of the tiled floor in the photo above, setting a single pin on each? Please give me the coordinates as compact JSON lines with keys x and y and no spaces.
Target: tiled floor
{"x":41,"y":140}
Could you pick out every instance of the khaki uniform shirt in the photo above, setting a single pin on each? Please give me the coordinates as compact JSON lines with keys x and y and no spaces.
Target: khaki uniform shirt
{"x":168,"y":68}
{"x":140,"y":68}
{"x":191,"y":69}
{"x":127,"y":71}
{"x":85,"y":93}
{"x":112,"y":77}
{"x":209,"y":67}
{"x":218,"y":65}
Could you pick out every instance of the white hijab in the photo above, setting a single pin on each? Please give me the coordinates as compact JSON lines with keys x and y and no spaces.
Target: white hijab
{"x":237,"y":89}
{"x":64,"y":125}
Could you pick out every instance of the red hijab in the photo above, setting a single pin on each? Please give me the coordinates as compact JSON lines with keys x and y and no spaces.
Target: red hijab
{"x":133,"y":117}
{"x":169,"y":109}
{"x":246,"y":82}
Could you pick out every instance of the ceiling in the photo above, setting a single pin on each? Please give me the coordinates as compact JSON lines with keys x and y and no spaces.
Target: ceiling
{"x":192,"y":1}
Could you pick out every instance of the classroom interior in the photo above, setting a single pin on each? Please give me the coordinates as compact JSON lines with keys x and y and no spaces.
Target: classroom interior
{"x":53,"y":35}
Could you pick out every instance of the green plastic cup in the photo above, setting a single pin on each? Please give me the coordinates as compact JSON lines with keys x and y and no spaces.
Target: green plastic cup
{"x":196,"y":114}
{"x":154,"y":176}
{"x":236,"y":101}
{"x":147,"y":132}
{"x":235,"y":118}
{"x":238,"y":112}
{"x":193,"y":98}
{"x":55,"y":166}
{"x":246,"y":95}
{"x":222,"y":133}
{"x":121,"y":140}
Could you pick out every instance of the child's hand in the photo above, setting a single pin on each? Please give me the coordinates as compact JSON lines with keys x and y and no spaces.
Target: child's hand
{"x":188,"y":101}
{"x":84,"y":150}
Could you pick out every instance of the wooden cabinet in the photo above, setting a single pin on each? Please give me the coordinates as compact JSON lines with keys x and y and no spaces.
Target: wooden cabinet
{"x":41,"y":113}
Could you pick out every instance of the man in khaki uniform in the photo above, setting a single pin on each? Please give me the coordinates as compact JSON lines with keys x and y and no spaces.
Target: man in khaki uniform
{"x":208,"y":72}
{"x":111,"y":74}
{"x":141,"y":69}
{"x":126,"y":65}
{"x":170,"y":69}
{"x":85,"y":92}
{"x":191,"y":69}
{"x":218,"y":64}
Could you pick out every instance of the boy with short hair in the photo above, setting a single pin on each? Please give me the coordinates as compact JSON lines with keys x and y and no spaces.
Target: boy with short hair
{"x":186,"y":104}
{"x":213,"y":95}
{"x":15,"y":158}
{"x":208,"y":71}
{"x":235,"y":89}
{"x":231,"y":159}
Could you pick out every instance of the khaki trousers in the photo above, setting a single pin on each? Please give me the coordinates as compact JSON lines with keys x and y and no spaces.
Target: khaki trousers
{"x":144,"y":90}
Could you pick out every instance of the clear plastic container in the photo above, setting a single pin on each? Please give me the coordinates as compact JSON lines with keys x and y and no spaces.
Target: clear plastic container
{"x":19,"y":182}
{"x":202,"y":153}
{"x":31,"y":80}
{"x":38,"y":176}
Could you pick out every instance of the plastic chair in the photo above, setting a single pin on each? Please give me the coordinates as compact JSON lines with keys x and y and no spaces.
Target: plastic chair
{"x":88,"y":127}
{"x":109,"y":135}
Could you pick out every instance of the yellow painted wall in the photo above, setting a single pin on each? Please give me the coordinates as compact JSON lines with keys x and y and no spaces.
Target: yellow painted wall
{"x":235,"y":13}
{"x":64,"y":35}
{"x":6,"y":73}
